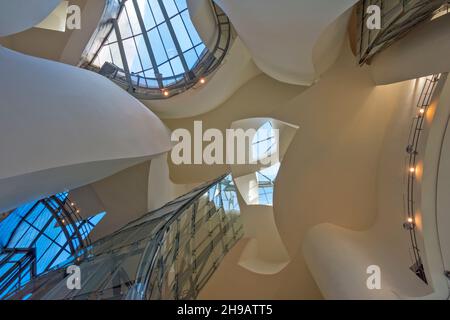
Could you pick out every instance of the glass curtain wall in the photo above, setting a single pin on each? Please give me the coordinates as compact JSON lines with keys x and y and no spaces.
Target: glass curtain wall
{"x":169,"y":253}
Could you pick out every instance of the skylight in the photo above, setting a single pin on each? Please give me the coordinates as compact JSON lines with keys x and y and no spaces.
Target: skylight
{"x":159,"y":41}
{"x":37,"y":237}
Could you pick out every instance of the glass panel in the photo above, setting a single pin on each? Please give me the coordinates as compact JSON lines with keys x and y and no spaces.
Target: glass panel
{"x":146,"y":13}
{"x":177,"y":66}
{"x":132,"y":17}
{"x":182,"y":35}
{"x":124,"y":26}
{"x":104,"y":56}
{"x":166,"y":70}
{"x":191,"y":58}
{"x":190,"y":27}
{"x":264,"y":143}
{"x":199,"y":49}
{"x":167,"y":40}
{"x":181,"y":4}
{"x":115,"y":53}
{"x":164,"y":47}
{"x":171,"y":8}
{"x":38,"y":238}
{"x":112,"y":37}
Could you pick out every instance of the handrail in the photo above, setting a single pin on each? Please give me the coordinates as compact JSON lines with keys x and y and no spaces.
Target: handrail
{"x":141,"y":87}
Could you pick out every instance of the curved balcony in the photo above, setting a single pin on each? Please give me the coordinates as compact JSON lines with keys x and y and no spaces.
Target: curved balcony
{"x":157,"y":86}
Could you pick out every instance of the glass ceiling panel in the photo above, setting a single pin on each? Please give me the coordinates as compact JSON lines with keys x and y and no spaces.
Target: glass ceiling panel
{"x":264,"y":143}
{"x":175,"y":45}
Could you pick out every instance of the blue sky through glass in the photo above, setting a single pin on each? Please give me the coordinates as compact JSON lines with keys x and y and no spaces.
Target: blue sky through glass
{"x":33,"y":227}
{"x":170,"y":58}
{"x":265,"y":142}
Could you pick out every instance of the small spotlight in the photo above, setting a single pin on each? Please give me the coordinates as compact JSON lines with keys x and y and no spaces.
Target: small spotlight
{"x":166,"y":93}
{"x":202,"y":80}
{"x":409,"y":224}
{"x":412,"y":169}
{"x":72,"y":204}
{"x":78,"y":211}
{"x":422,"y":111}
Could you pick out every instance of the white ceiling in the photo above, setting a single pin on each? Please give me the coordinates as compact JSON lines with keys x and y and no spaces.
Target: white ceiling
{"x":19,"y":15}
{"x":282,"y":35}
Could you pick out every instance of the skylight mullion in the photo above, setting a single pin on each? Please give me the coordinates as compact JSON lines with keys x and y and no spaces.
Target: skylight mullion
{"x":147,"y":41}
{"x":174,"y":36}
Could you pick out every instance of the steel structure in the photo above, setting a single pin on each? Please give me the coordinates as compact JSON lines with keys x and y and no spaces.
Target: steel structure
{"x":397,"y":18}
{"x":169,"y":253}
{"x":146,"y":47}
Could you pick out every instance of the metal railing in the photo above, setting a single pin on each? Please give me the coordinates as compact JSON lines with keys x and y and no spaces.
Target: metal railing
{"x":412,"y":151}
{"x":169,"y":253}
{"x":160,"y":87}
{"x":397,"y":18}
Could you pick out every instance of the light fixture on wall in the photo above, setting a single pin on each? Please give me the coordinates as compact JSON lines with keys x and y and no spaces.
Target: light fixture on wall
{"x":409,"y":224}
{"x":202,"y":80}
{"x":422,"y":111}
{"x":412,"y":169}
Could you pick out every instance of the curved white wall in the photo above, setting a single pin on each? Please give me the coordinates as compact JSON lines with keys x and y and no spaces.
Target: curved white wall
{"x":19,"y":15}
{"x":282,"y":35}
{"x":55,"y":117}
